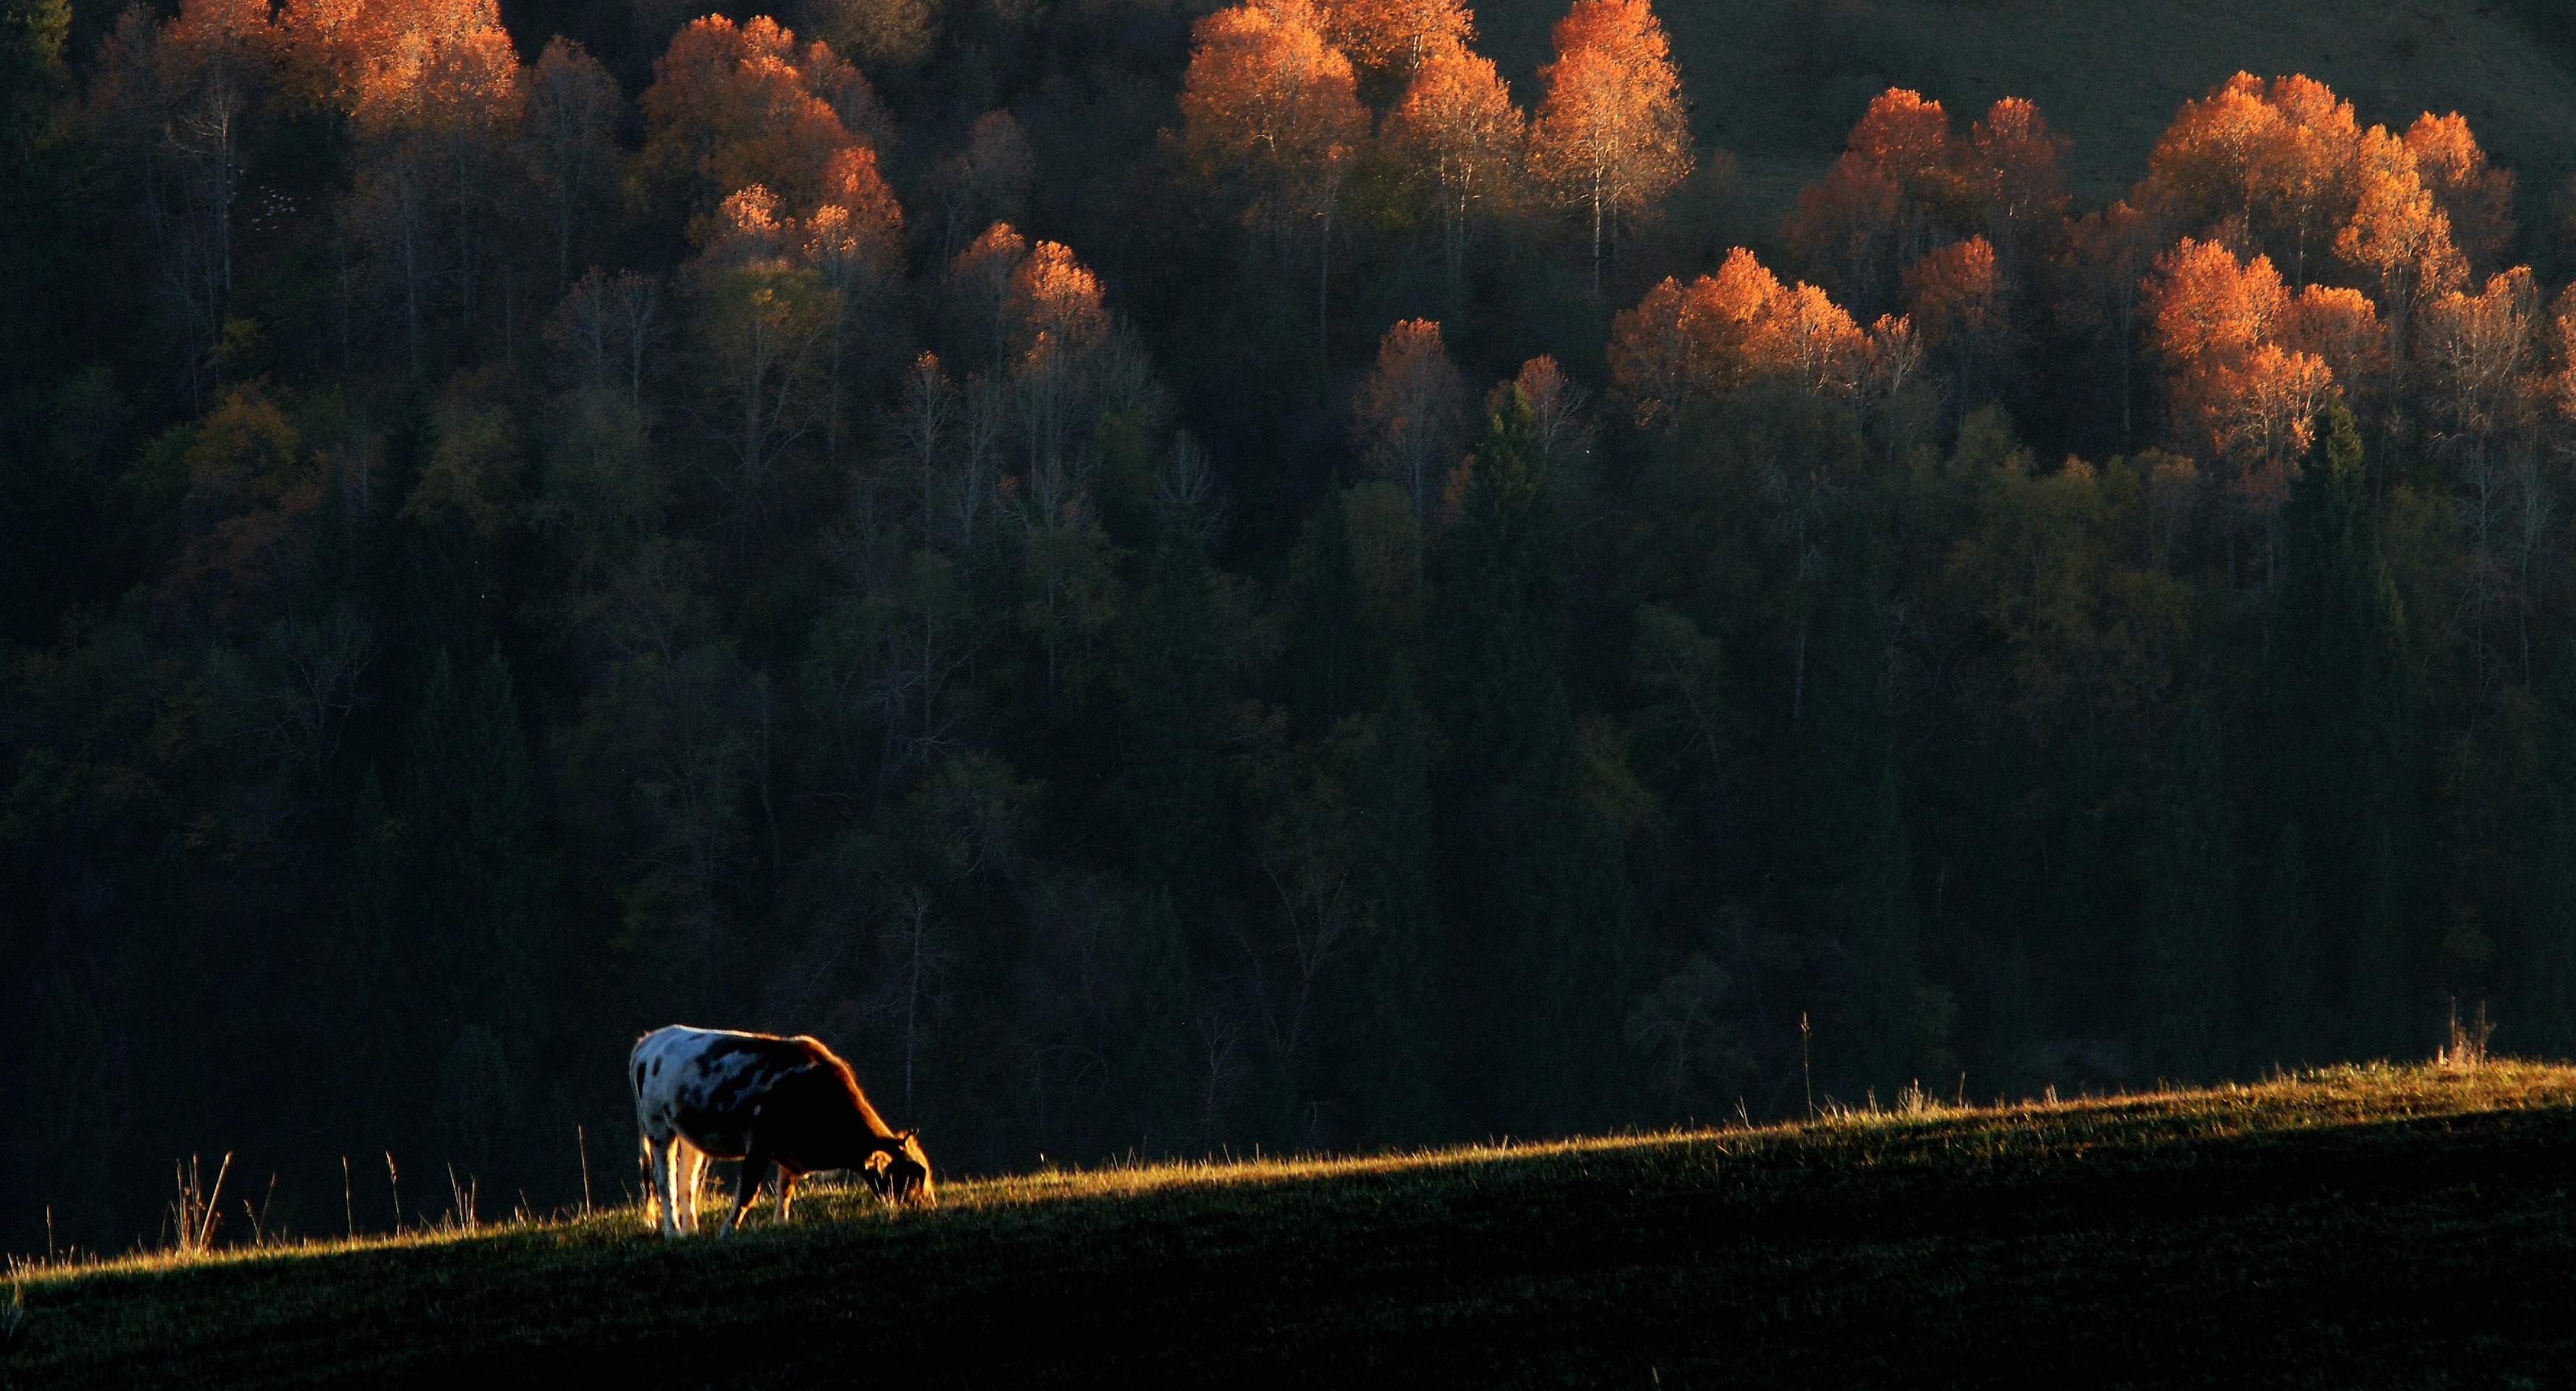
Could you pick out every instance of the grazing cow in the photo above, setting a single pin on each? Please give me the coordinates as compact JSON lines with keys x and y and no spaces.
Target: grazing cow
{"x":705,"y":1094}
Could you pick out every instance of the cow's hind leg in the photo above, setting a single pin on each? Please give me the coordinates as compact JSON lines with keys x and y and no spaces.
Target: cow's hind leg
{"x":746,"y":1186}
{"x":786,"y":1192}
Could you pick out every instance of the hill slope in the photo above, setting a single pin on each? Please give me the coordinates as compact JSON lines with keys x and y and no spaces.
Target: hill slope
{"x":2357,"y":1227}
{"x":1777,"y":83}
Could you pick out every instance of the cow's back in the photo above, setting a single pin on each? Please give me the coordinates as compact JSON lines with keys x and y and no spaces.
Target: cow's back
{"x":705,"y":1084}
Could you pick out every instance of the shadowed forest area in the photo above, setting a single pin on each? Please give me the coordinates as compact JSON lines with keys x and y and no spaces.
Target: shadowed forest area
{"x":1169,"y":579}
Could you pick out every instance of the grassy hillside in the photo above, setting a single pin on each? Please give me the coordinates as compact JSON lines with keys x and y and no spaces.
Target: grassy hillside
{"x":1777,"y":83}
{"x":2358,"y":1227}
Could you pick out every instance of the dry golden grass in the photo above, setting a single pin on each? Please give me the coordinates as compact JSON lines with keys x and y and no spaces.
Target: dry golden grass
{"x":2356,"y":1225}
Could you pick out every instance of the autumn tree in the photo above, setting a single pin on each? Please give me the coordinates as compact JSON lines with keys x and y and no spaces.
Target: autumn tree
{"x":1458,"y":132}
{"x":2475,"y":196}
{"x":2208,"y":162}
{"x":2306,"y":176}
{"x":2477,"y":352}
{"x":2341,"y":327}
{"x":2274,"y":163}
{"x":1390,"y":41}
{"x":176,"y":101}
{"x":762,"y":319}
{"x":979,"y":285}
{"x":1846,"y":227}
{"x":2105,"y":261}
{"x":1611,"y":136}
{"x":573,"y":109}
{"x":1412,"y":410}
{"x":986,"y":182}
{"x":438,"y":108}
{"x":1956,"y":299}
{"x":1738,"y":328}
{"x":736,"y":105}
{"x":1271,"y":110}
{"x":854,"y":243}
{"x":2238,"y":394}
{"x":326,"y":46}
{"x":1904,"y":187}
{"x":1058,"y":330}
{"x":2399,"y":239}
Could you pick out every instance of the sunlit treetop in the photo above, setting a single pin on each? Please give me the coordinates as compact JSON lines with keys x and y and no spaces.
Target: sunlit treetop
{"x":1611,"y":135}
{"x":735,"y":105}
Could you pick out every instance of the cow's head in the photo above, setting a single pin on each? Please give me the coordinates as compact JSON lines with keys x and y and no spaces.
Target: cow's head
{"x":900,"y":1173}
{"x":907,"y":1174}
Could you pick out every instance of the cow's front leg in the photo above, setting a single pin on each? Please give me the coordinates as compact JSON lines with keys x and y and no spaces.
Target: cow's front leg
{"x":746,"y":1186}
{"x":786,"y":1192}
{"x":659,"y":1157}
{"x":689,"y":1175}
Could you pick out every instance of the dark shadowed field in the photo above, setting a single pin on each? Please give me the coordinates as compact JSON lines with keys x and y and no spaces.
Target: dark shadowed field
{"x":2353,"y":1228}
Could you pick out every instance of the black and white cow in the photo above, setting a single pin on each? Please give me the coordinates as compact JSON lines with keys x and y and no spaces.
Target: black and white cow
{"x":705,"y":1094}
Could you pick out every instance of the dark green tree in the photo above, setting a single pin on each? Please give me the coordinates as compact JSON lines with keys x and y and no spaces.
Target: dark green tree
{"x":2346,"y":705}
{"x":2188,"y":957}
{"x":69,"y":1132}
{"x":2547,"y":1007}
{"x":1510,"y":799}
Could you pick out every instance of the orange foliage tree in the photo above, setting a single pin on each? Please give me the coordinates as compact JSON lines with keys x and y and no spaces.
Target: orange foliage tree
{"x":1903,"y":186}
{"x":736,"y":105}
{"x":2341,"y":326}
{"x":2016,"y":174}
{"x":854,"y":242}
{"x":325,"y":46}
{"x":1058,"y":324}
{"x":1955,"y":297}
{"x":439,"y":107}
{"x":2238,"y":393}
{"x":1271,"y":109}
{"x":2399,"y":238}
{"x":2208,"y":162}
{"x":2476,"y":197}
{"x":2274,"y":162}
{"x":1390,"y":40}
{"x":1412,"y":408}
{"x":1611,"y":136}
{"x":1741,"y":327}
{"x":760,"y":317}
{"x":1458,"y":132}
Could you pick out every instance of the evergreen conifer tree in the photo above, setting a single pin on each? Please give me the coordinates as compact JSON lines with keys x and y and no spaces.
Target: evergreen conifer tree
{"x":2185,"y":1008}
{"x":2346,"y":705}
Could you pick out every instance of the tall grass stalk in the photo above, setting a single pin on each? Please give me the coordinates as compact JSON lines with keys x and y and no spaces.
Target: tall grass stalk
{"x":2466,"y":1047}
{"x":460,"y":1198}
{"x":194,"y":1212}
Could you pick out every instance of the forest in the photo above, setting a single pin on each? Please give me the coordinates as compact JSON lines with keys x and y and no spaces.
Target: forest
{"x":1174,"y":580}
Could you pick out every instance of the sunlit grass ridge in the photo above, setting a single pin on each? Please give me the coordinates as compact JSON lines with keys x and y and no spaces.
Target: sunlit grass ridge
{"x":2349,"y":1094}
{"x":2098,"y":1239}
